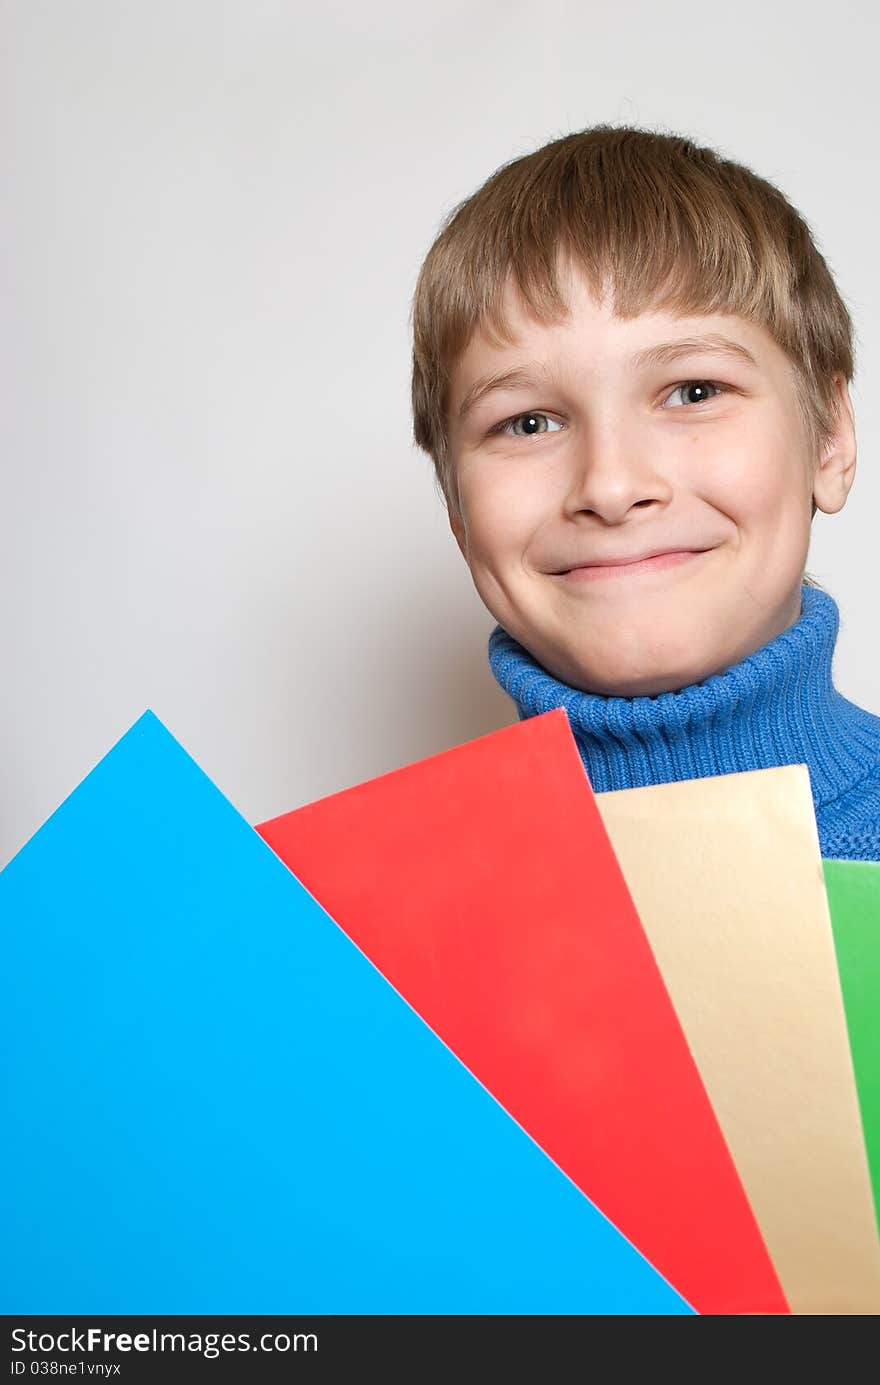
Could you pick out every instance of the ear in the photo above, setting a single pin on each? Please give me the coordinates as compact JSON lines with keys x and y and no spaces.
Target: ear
{"x":456,"y":524}
{"x":836,"y":468}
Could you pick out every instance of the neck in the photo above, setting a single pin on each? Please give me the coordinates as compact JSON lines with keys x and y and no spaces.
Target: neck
{"x":778,"y":706}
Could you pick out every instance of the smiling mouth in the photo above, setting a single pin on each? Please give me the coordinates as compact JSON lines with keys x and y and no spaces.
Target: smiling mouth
{"x":655,"y":563}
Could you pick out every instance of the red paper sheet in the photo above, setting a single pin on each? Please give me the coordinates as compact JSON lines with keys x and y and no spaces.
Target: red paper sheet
{"x":483,"y":886}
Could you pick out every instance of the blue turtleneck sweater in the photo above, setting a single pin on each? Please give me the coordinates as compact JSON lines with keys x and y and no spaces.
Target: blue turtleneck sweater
{"x":777,"y":707}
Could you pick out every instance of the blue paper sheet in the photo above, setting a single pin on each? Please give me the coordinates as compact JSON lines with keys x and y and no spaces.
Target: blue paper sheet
{"x":216,"y":1104}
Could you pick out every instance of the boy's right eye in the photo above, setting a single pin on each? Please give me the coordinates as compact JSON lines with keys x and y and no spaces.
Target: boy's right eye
{"x":532,"y":423}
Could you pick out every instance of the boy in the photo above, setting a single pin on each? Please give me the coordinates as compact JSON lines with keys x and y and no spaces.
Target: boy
{"x":631,"y":369}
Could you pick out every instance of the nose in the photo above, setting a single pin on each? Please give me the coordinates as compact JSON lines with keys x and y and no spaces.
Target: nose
{"x":612,"y":473}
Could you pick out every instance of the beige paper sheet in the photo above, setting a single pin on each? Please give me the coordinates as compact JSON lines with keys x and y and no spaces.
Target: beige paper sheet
{"x":727,"y":877}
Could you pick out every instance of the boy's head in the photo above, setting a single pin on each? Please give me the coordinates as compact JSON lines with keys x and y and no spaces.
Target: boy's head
{"x":626,"y":346}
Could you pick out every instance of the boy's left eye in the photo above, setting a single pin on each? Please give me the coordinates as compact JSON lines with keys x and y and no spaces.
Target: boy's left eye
{"x":531,"y":424}
{"x":700,"y":388}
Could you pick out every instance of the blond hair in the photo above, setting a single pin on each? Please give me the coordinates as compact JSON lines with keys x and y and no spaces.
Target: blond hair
{"x":656,"y":219}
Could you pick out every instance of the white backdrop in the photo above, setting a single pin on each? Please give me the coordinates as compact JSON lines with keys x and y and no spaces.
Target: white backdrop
{"x":213,"y":218}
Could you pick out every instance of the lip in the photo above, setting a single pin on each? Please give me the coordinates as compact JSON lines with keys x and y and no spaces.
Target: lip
{"x":653,"y":562}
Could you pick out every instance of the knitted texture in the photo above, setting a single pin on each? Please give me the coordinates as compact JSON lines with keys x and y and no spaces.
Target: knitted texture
{"x":779,"y":706}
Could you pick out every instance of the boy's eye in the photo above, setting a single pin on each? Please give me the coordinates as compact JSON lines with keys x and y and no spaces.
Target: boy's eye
{"x":697,"y":391}
{"x":532,"y":425}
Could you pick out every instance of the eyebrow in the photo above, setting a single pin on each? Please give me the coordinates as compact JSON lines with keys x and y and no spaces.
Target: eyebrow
{"x":664,"y":353}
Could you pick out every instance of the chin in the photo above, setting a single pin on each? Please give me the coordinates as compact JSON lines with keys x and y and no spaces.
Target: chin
{"x":647,"y":667}
{"x":636,"y":687}
{"x":644,"y":681}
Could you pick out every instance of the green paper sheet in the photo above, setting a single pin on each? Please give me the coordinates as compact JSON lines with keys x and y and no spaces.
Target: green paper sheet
{"x":854,"y":900}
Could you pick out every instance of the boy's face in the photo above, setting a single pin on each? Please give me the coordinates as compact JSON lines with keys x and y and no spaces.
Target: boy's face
{"x":607,"y":458}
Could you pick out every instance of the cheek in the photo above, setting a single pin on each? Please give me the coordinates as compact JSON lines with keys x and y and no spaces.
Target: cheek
{"x":502,"y":516}
{"x":751,"y":497}
{"x":757,"y":481}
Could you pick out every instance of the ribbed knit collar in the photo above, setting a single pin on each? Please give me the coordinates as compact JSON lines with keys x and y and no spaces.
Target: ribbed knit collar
{"x":777,"y":707}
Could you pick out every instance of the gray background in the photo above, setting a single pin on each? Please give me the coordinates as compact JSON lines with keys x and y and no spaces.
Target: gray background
{"x":213,"y":219}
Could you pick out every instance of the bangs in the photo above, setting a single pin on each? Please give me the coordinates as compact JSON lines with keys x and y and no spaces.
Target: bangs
{"x":657,"y":233}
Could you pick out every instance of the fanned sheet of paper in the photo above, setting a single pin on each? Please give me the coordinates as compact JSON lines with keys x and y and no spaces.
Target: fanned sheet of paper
{"x":482,"y":884}
{"x":219,"y":1106}
{"x":854,"y":899}
{"x":727,"y":876}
